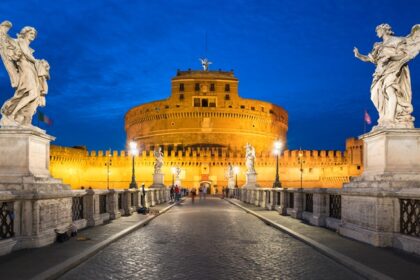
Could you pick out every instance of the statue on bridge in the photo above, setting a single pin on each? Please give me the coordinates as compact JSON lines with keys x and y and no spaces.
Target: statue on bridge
{"x":250,"y":158}
{"x":391,"y":86}
{"x":159,"y":160}
{"x":28,"y":76}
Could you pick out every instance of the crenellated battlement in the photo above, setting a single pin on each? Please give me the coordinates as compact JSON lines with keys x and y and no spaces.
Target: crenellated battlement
{"x":289,"y":157}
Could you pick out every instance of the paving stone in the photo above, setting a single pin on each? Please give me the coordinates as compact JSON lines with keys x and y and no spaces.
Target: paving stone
{"x":211,"y":239}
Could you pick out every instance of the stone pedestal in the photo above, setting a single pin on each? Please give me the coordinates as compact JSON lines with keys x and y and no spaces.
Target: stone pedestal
{"x":24,"y":152}
{"x":231,"y":183}
{"x":370,"y":206}
{"x":158,"y":181}
{"x":41,"y":203}
{"x":251,"y":181}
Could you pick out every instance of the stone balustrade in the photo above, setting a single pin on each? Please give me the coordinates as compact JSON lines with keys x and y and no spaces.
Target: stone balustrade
{"x":323,"y":207}
{"x":82,"y":208}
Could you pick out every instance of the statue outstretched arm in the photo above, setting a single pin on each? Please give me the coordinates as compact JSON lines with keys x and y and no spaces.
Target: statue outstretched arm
{"x":365,"y":58}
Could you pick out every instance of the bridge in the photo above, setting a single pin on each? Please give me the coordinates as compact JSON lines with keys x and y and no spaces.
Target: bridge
{"x":213,"y":238}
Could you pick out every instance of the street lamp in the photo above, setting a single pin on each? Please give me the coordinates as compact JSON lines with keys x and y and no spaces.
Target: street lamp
{"x":133,"y":152}
{"x":236,"y":171}
{"x":301,"y":161}
{"x":277,"y":152}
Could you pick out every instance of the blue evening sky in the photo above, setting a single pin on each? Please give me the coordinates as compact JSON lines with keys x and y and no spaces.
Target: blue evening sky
{"x":108,"y":56}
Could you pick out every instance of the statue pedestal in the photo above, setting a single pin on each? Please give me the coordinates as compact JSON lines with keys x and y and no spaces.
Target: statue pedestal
{"x":40,"y":203}
{"x":24,"y":152}
{"x":251,"y":180}
{"x":231,"y":183}
{"x":370,"y":204}
{"x":391,"y":152}
{"x":158,"y":181}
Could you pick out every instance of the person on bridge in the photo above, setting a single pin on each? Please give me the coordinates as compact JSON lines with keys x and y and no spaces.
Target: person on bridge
{"x":172,"y":193}
{"x":193,"y":194}
{"x":200,"y":192}
{"x":177,"y":193}
{"x":204,"y":192}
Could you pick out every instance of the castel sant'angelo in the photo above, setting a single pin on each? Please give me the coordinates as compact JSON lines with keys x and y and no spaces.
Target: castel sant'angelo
{"x":202,"y":128}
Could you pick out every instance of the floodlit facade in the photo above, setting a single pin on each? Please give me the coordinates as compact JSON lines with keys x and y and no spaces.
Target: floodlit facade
{"x":203,"y":127}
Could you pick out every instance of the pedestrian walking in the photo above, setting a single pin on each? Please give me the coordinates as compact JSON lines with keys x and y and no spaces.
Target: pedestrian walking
{"x":204,"y":192}
{"x":172,"y":193}
{"x":200,"y":192}
{"x":193,"y":194}
{"x":177,"y":193}
{"x":223,"y":192}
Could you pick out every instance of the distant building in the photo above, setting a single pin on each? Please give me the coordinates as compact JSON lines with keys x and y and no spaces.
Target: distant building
{"x":202,"y":128}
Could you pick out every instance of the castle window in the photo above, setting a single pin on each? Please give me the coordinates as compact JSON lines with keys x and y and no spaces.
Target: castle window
{"x":166,"y":106}
{"x":262,"y":109}
{"x":242,"y":106}
{"x":253,"y":108}
{"x":271,"y":112}
{"x":197,"y":87}
{"x":181,"y":87}
{"x":227,"y":97}
{"x":181,"y":96}
{"x":204,"y":102}
{"x":212,"y":102}
{"x":230,"y":106}
{"x":227,"y":87}
{"x":196,"y":102}
{"x":212,"y":88}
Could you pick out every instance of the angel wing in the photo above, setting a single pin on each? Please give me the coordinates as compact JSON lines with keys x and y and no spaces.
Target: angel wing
{"x":413,"y":42}
{"x":10,"y":53}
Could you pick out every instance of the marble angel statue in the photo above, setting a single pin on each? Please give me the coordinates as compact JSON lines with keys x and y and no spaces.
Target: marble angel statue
{"x":205,"y":63}
{"x":250,"y":158}
{"x":178,"y":171}
{"x":28,"y":76}
{"x":230,"y":173}
{"x":391,"y":86}
{"x":159,"y":160}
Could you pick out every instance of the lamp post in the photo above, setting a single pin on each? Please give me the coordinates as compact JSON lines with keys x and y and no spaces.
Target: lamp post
{"x":236,"y":171}
{"x":133,"y":151}
{"x":277,"y":152}
{"x":300,"y":158}
{"x":301,"y":161}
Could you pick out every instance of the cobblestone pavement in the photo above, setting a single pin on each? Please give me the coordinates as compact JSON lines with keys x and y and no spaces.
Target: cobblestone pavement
{"x":211,"y":239}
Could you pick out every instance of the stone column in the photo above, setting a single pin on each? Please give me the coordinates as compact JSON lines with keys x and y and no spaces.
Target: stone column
{"x":319,"y":207}
{"x":114,"y":212}
{"x":298,"y":204}
{"x":92,"y":208}
{"x":283,"y":202}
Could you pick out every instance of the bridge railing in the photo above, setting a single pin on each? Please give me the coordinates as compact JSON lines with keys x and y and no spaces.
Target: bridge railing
{"x":321,"y":207}
{"x":78,"y":209}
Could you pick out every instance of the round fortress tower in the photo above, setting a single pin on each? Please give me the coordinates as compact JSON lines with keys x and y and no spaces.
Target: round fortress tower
{"x":205,"y":110}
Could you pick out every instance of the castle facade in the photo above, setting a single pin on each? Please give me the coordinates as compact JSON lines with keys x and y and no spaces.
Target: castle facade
{"x":203,"y":128}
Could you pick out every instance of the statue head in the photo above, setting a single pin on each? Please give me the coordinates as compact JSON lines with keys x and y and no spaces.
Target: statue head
{"x":27,"y":32}
{"x":6,"y":23}
{"x":384,"y":29}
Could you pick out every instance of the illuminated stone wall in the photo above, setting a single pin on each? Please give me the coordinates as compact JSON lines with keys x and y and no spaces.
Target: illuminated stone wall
{"x":79,"y":167}
{"x":203,"y":127}
{"x":205,"y":110}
